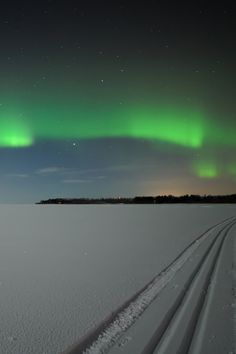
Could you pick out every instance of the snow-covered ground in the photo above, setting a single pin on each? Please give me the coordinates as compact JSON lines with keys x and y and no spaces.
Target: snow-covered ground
{"x":64,"y":268}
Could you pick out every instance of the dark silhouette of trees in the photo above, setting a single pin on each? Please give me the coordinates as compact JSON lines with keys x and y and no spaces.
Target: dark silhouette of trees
{"x":161,"y":199}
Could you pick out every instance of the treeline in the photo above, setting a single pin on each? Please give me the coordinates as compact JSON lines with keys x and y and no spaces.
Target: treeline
{"x":162,"y":199}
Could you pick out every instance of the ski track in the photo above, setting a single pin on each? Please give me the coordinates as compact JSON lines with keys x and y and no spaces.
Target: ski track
{"x":190,"y":308}
{"x":127,"y":316}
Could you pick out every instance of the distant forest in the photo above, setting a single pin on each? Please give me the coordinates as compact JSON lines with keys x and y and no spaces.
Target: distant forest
{"x":162,"y":199}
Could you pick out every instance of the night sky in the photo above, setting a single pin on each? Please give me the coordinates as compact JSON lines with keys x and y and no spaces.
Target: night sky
{"x":116,"y":98}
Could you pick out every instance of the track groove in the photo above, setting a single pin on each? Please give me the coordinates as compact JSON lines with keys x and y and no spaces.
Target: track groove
{"x":160,"y":331}
{"x":163,"y":344}
{"x":107,"y":333}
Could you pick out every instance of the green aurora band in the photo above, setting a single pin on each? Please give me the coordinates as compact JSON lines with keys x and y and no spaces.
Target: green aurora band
{"x":179,"y":126}
{"x":173,"y":125}
{"x":186,"y":127}
{"x":14,"y":133}
{"x":205,"y":169}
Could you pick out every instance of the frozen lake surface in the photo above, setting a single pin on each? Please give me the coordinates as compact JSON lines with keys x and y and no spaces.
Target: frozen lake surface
{"x":64,"y":268}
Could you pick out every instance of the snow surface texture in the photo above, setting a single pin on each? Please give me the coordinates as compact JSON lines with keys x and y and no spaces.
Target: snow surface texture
{"x":127,"y":317}
{"x":64,"y":268}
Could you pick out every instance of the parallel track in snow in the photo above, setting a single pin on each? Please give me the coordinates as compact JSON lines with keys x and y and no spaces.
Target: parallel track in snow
{"x":101,"y":339}
{"x":179,"y":328}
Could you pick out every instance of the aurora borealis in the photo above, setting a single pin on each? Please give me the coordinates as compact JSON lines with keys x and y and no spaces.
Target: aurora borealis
{"x":107,"y":99}
{"x":175,"y":126}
